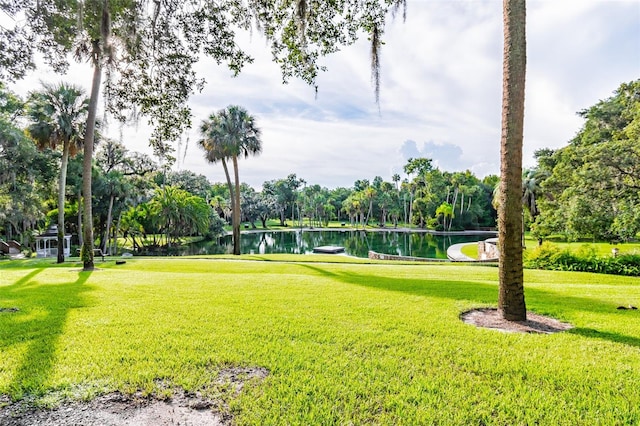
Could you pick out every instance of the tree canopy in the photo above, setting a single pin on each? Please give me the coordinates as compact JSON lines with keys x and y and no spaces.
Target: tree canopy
{"x":149,"y":49}
{"x":593,"y":188}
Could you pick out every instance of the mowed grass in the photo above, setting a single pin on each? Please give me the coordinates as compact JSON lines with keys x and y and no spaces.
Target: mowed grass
{"x":470,"y":250}
{"x":599,"y":248}
{"x":345,"y":343}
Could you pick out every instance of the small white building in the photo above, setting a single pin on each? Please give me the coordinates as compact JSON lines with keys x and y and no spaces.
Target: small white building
{"x":47,"y":243}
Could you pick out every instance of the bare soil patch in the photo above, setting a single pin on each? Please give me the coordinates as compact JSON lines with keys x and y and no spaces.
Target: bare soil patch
{"x":117,"y":409}
{"x":490,"y":318}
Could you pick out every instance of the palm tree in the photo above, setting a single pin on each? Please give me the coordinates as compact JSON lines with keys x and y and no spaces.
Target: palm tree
{"x":531,"y":189}
{"x":446,"y":210}
{"x":58,"y":116}
{"x":396,"y":180}
{"x":369,"y":193}
{"x":215,"y":150}
{"x":221,"y":206}
{"x":229,"y":134}
{"x":116,"y":186}
{"x":511,"y":303}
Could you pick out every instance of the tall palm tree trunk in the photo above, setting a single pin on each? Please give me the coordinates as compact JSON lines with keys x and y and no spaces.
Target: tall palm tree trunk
{"x":236,"y":211}
{"x":62,"y":180}
{"x":105,"y":239}
{"x":411,"y":208}
{"x":511,"y":303}
{"x":233,"y":200}
{"x":453,"y":207}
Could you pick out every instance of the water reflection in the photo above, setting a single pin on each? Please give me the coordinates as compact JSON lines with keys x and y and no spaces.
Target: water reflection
{"x":356,"y":243}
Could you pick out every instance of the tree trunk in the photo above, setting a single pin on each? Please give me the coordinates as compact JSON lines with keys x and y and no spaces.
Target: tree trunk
{"x":404,"y":206}
{"x":114,"y":250}
{"x":87,"y":231}
{"x":105,"y":240}
{"x":524,"y":245}
{"x":233,"y":200}
{"x":62,"y":180}
{"x":80,"y":239}
{"x":168,"y":235}
{"x":411,"y":207}
{"x":511,"y":303}
{"x":236,"y":212}
{"x":453,"y":208}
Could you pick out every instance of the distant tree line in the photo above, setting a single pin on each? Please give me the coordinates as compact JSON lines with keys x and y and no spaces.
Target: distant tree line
{"x":133,"y":197}
{"x":588,"y":189}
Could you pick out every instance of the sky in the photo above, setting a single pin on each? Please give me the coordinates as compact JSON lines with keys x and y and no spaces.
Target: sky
{"x":440,"y":95}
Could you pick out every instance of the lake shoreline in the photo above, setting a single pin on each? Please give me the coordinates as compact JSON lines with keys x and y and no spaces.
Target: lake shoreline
{"x":380,"y":229}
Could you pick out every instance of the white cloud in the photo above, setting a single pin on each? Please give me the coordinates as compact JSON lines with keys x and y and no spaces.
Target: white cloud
{"x":441,"y":87}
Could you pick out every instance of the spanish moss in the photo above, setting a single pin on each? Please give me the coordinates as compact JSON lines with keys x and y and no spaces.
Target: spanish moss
{"x":375,"y":61}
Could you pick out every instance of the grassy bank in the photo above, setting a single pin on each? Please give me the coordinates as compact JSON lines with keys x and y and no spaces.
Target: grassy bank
{"x":344,"y":342}
{"x":600,"y":248}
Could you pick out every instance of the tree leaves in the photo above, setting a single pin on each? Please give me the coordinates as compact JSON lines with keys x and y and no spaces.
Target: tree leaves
{"x":595,"y":181}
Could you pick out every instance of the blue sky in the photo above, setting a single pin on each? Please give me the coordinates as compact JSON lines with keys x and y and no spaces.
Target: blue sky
{"x":440,"y":92}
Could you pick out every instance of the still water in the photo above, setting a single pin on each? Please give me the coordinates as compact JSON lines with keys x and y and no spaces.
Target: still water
{"x":356,"y":243}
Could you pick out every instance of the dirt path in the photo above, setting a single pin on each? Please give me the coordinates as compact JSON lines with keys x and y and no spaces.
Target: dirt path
{"x":117,"y":409}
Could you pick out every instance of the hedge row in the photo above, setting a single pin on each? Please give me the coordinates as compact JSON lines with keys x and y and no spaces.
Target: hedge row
{"x":551,"y":257}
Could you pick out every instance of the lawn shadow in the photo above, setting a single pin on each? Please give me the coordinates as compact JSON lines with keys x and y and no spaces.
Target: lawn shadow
{"x":485,"y":294}
{"x":474,"y":291}
{"x":606,"y":335}
{"x":458,"y":290}
{"x":38,"y":323}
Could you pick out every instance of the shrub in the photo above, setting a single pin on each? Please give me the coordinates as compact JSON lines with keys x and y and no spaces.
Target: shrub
{"x":433,"y":223}
{"x":585,"y":259}
{"x":544,"y":256}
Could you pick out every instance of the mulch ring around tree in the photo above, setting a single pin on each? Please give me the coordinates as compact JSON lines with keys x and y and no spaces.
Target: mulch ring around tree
{"x":491,"y":318}
{"x":116,"y":408}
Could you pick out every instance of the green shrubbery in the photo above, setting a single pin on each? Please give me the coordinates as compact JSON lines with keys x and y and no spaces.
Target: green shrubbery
{"x":585,"y":259}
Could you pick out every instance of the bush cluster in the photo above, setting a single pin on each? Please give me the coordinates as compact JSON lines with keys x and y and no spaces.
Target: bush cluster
{"x":551,"y":257}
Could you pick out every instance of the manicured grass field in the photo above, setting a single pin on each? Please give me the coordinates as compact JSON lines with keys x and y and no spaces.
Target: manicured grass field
{"x":345,"y":343}
{"x":470,"y":250}
{"x":600,"y":248}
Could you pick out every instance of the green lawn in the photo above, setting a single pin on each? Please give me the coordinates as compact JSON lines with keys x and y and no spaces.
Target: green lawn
{"x":601,"y":248}
{"x":470,"y":250}
{"x":345,"y":343}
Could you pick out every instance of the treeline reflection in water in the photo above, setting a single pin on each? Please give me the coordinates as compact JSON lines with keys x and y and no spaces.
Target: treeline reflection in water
{"x":356,"y":243}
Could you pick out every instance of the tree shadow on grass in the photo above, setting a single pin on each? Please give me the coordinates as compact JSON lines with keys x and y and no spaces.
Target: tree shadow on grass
{"x":458,"y":290}
{"x":485,"y":294}
{"x":473,"y":291}
{"x":34,"y":329}
{"x":606,"y":335}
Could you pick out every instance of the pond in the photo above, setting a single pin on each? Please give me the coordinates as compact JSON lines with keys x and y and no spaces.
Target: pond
{"x":356,"y":242}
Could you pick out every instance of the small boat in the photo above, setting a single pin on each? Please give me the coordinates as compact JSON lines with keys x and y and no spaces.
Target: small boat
{"x":329,"y":249}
